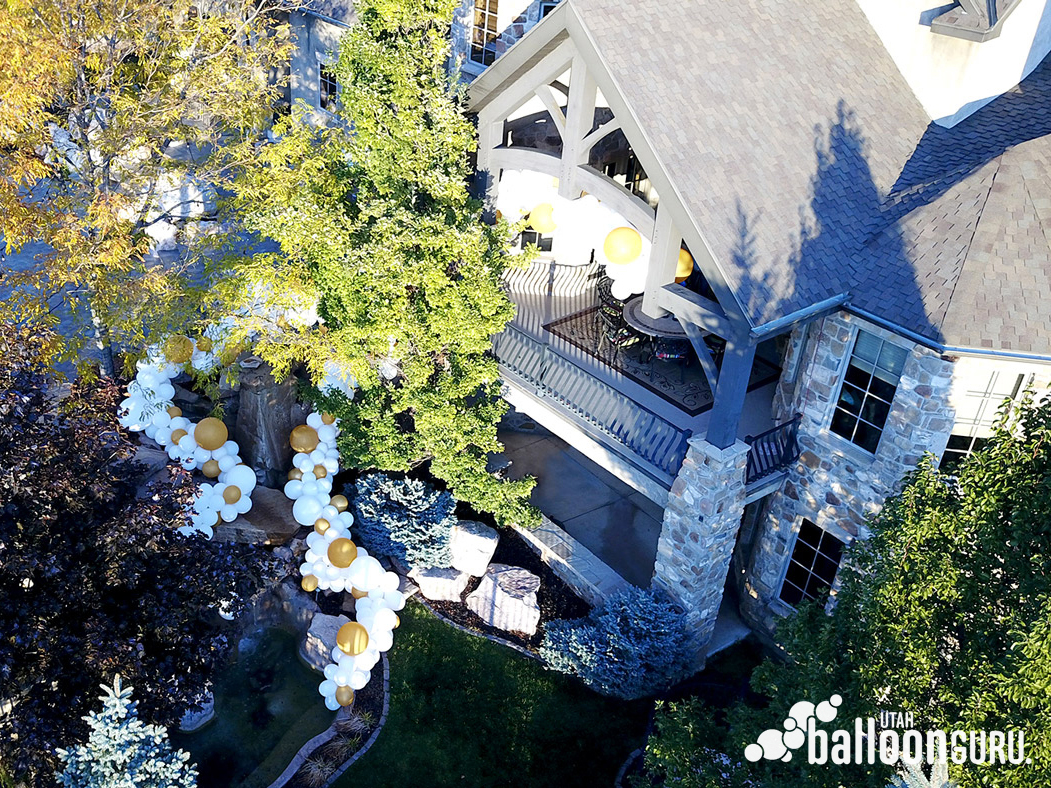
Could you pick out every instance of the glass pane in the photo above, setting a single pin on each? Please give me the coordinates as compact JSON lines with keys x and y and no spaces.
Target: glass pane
{"x":875,"y":411}
{"x":831,"y":547}
{"x":809,"y":533}
{"x":797,"y":575}
{"x":867,"y":347}
{"x":816,"y":588}
{"x":959,"y":442}
{"x":950,"y":460}
{"x":851,"y":398}
{"x":804,"y":554}
{"x":883,"y":389}
{"x":493,"y":5}
{"x":858,"y":376}
{"x":892,"y":358}
{"x":843,"y":423}
{"x":791,"y":594}
{"x":867,"y":437}
{"x":825,"y":568}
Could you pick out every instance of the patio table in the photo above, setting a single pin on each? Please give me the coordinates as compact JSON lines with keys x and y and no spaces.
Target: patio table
{"x":667,"y":326}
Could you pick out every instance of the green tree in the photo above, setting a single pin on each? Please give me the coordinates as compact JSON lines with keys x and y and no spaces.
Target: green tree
{"x":120,"y":121}
{"x":945,"y":611}
{"x":122,"y":751}
{"x":376,"y":213}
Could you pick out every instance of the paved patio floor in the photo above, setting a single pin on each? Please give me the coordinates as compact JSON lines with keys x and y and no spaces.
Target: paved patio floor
{"x":614,"y":521}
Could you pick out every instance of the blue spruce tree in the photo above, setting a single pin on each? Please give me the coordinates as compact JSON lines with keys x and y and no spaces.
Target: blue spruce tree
{"x":123,"y":752}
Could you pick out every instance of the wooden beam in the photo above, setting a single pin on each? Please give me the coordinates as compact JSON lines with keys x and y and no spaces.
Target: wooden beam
{"x":592,"y":139}
{"x":690,"y":307}
{"x":730,"y":393}
{"x":664,"y":257}
{"x":580,"y":116}
{"x":523,"y":88}
{"x":704,"y":353}
{"x":547,"y":97}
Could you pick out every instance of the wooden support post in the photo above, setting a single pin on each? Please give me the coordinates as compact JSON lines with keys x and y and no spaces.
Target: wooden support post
{"x":730,"y":393}
{"x":489,"y":138}
{"x":580,"y":116}
{"x":704,"y":353}
{"x":664,"y":257}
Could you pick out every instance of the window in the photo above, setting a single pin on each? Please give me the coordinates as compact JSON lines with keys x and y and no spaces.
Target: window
{"x":813,"y":566}
{"x":868,"y":390}
{"x":542,"y":242}
{"x":976,"y":412}
{"x":484,"y":32}
{"x":547,"y":6}
{"x":327,"y":88}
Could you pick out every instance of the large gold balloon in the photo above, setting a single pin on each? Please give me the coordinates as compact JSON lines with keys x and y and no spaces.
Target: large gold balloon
{"x":204,"y":344}
{"x":178,"y":349}
{"x":211,"y":469}
{"x":352,"y":638}
{"x":328,"y":418}
{"x":232,"y":494}
{"x":178,"y":435}
{"x":320,"y":471}
{"x":542,"y":218}
{"x":210,"y":433}
{"x":623,"y":245}
{"x":304,"y":438}
{"x":344,"y":696}
{"x":340,"y":502}
{"x":357,"y":593}
{"x":308,"y":583}
{"x":174,"y":411}
{"x":322,"y":525}
{"x":342,"y":552}
{"x":684,"y":267}
{"x":295,"y":475}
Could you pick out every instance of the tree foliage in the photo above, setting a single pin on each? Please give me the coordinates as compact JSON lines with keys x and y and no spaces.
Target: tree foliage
{"x":122,"y":120}
{"x":93,"y":576}
{"x":121,"y":751}
{"x":944,"y":612}
{"x":633,"y":645}
{"x":404,"y":518}
{"x":376,"y":209}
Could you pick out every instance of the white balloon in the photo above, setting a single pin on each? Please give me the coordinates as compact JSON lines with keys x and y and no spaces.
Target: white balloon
{"x":228,"y":461}
{"x":293,"y":489}
{"x":330,"y":670}
{"x":314,"y":420}
{"x":359,"y":678}
{"x":327,"y":687}
{"x":306,"y":510}
{"x":389,"y":582}
{"x":331,"y":703}
{"x":242,"y":477}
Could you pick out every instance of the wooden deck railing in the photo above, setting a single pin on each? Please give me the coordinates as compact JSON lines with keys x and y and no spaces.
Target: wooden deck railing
{"x":773,"y":450}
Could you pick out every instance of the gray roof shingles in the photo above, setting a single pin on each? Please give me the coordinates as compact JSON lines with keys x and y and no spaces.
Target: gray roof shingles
{"x":812,"y":170}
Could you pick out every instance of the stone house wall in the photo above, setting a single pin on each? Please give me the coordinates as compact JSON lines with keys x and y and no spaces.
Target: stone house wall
{"x":317,"y":43}
{"x":515,"y":18}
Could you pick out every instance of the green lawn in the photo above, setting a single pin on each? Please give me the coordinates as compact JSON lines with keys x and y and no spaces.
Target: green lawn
{"x":467,"y":712}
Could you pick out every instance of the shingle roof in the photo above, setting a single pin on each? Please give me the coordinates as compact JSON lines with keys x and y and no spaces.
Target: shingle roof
{"x":812,"y":170}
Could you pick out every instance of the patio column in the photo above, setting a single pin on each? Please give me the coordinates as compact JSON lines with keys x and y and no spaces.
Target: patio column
{"x":698,"y":534}
{"x":664,"y":257}
{"x":730,"y":392}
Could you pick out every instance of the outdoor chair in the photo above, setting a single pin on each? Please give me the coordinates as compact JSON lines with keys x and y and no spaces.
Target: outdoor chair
{"x":675,"y":350}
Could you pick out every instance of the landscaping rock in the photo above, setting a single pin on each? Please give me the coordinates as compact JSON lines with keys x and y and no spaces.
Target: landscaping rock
{"x":269,"y":521}
{"x":267,"y":412}
{"x":472,"y":544}
{"x":194,"y":720}
{"x":320,"y":639}
{"x":441,"y":585}
{"x":506,"y":599}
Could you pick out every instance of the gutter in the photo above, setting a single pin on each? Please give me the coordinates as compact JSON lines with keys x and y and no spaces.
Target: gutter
{"x":812,"y":312}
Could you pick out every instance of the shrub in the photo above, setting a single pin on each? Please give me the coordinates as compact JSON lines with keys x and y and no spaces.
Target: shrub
{"x":404,"y":518}
{"x":633,"y":645}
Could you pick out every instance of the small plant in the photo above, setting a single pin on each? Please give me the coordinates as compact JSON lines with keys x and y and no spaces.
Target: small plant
{"x":633,"y":645}
{"x":316,"y":771}
{"x":404,"y":518}
{"x":912,"y":776}
{"x":341,"y":747}
{"x":357,"y":723}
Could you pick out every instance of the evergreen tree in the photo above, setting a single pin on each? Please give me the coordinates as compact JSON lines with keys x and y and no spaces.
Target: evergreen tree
{"x":123,"y":752}
{"x":405,"y":518}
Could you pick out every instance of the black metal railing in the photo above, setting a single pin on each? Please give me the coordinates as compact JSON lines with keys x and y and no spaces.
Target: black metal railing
{"x":773,"y":450}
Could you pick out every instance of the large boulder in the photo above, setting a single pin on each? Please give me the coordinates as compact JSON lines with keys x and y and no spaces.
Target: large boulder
{"x":441,"y":585}
{"x":269,"y":521}
{"x":506,"y":599}
{"x":320,"y":639}
{"x":472,"y":544}
{"x":195,"y":720}
{"x":267,"y":411}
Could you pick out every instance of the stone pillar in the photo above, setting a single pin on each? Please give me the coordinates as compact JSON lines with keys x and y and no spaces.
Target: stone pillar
{"x":700,"y":527}
{"x":267,"y":413}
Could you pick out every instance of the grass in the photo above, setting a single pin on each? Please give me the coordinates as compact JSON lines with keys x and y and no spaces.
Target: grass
{"x":468,"y":712}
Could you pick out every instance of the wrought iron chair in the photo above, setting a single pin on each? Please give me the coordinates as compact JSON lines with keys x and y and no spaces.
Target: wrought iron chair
{"x":673,"y":349}
{"x":617,"y":333}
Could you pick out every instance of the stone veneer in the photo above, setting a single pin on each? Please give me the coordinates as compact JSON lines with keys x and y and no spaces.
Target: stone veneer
{"x":835,"y":484}
{"x":697,"y":537}
{"x":463,"y":26}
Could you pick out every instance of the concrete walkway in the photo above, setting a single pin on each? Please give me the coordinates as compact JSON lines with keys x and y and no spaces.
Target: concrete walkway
{"x":614,"y":521}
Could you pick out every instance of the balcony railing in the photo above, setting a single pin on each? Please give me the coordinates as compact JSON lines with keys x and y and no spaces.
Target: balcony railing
{"x":601,"y":407}
{"x":773,"y":450}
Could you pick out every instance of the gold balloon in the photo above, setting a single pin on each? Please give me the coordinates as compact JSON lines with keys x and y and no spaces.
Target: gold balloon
{"x":352,"y":638}
{"x":211,"y":469}
{"x":358,"y":594}
{"x":204,"y":344}
{"x":178,"y":435}
{"x":342,"y":552}
{"x":210,"y":433}
{"x":308,"y":583}
{"x":397,"y":621}
{"x":623,"y":245}
{"x":304,"y":438}
{"x":178,"y":349}
{"x":340,"y":502}
{"x":328,"y":418}
{"x":174,"y":411}
{"x":684,"y":267}
{"x":232,"y":494}
{"x":344,"y":696}
{"x":541,"y":218}
{"x":322,"y":525}
{"x":320,"y":471}
{"x":295,"y":474}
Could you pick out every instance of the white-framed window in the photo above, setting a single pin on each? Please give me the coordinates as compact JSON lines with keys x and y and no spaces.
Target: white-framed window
{"x":543,"y":242}
{"x":977,"y":408}
{"x":813,"y":565}
{"x":484,"y":32}
{"x":547,"y":6}
{"x":867,"y":390}
{"x":328,"y":87}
